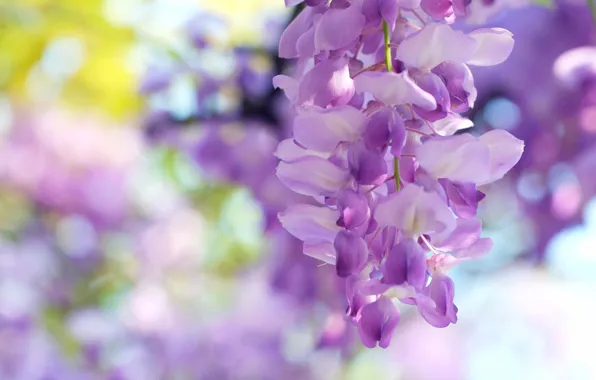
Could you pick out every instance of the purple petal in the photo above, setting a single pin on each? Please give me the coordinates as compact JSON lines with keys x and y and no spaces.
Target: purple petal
{"x":306,"y":43}
{"x":357,"y":101}
{"x":355,"y":65}
{"x":368,"y":167}
{"x":433,"y":85}
{"x":460,"y":84}
{"x":376,"y":134}
{"x":377,"y":323}
{"x":442,"y":291}
{"x":355,"y":298}
{"x":379,"y":246}
{"x":351,"y":252}
{"x":297,"y":28}
{"x":463,"y":198}
{"x":328,"y":83}
{"x":338,"y":28}
{"x":407,"y":169}
{"x":372,"y":287}
{"x":322,"y":129}
{"x":438,"y":308}
{"x":494,"y":45}
{"x":324,"y":177}
{"x":394,"y":89}
{"x":437,"y":9}
{"x":391,"y":322}
{"x":353,"y":209}
{"x":398,"y":135}
{"x":312,"y":224}
{"x":371,"y":42}
{"x":389,"y":11}
{"x":372,"y":13}
{"x":406,"y":263}
{"x":441,"y":44}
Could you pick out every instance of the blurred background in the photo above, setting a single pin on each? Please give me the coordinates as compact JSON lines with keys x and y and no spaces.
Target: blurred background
{"x":138,"y":203}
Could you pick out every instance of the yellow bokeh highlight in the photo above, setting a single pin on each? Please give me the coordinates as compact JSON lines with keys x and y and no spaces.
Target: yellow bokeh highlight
{"x":103,"y":81}
{"x":246,"y":18}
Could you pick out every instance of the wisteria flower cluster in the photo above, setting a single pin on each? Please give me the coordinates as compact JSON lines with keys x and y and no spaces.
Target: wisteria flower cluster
{"x":378,"y":89}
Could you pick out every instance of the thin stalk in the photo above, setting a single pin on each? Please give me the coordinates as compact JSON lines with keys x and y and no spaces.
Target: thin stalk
{"x":388,"y":60}
{"x":389,"y":64}
{"x":396,"y":173}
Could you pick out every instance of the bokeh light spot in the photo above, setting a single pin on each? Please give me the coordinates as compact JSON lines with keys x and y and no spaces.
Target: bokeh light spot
{"x":502,"y":113}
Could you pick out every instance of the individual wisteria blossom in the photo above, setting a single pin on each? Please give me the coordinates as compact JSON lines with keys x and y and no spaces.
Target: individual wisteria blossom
{"x":377,"y":91}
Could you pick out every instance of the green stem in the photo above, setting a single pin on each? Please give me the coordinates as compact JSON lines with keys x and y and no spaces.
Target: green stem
{"x":389,"y":64}
{"x":388,"y":60}
{"x":396,"y":172}
{"x":592,"y":6}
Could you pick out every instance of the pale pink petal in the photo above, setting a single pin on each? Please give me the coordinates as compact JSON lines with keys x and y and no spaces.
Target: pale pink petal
{"x":321,"y":251}
{"x":469,"y":87}
{"x":288,"y":150}
{"x":312,"y":175}
{"x":494,"y":45}
{"x":289,"y":86}
{"x":312,"y":224}
{"x":505,"y":151}
{"x":459,"y":158}
{"x":322,"y":129}
{"x":434,"y":44}
{"x":451,"y":124}
{"x":394,"y":89}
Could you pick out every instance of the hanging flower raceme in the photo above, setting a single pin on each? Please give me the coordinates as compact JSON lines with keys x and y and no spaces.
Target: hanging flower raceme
{"x":377,"y":91}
